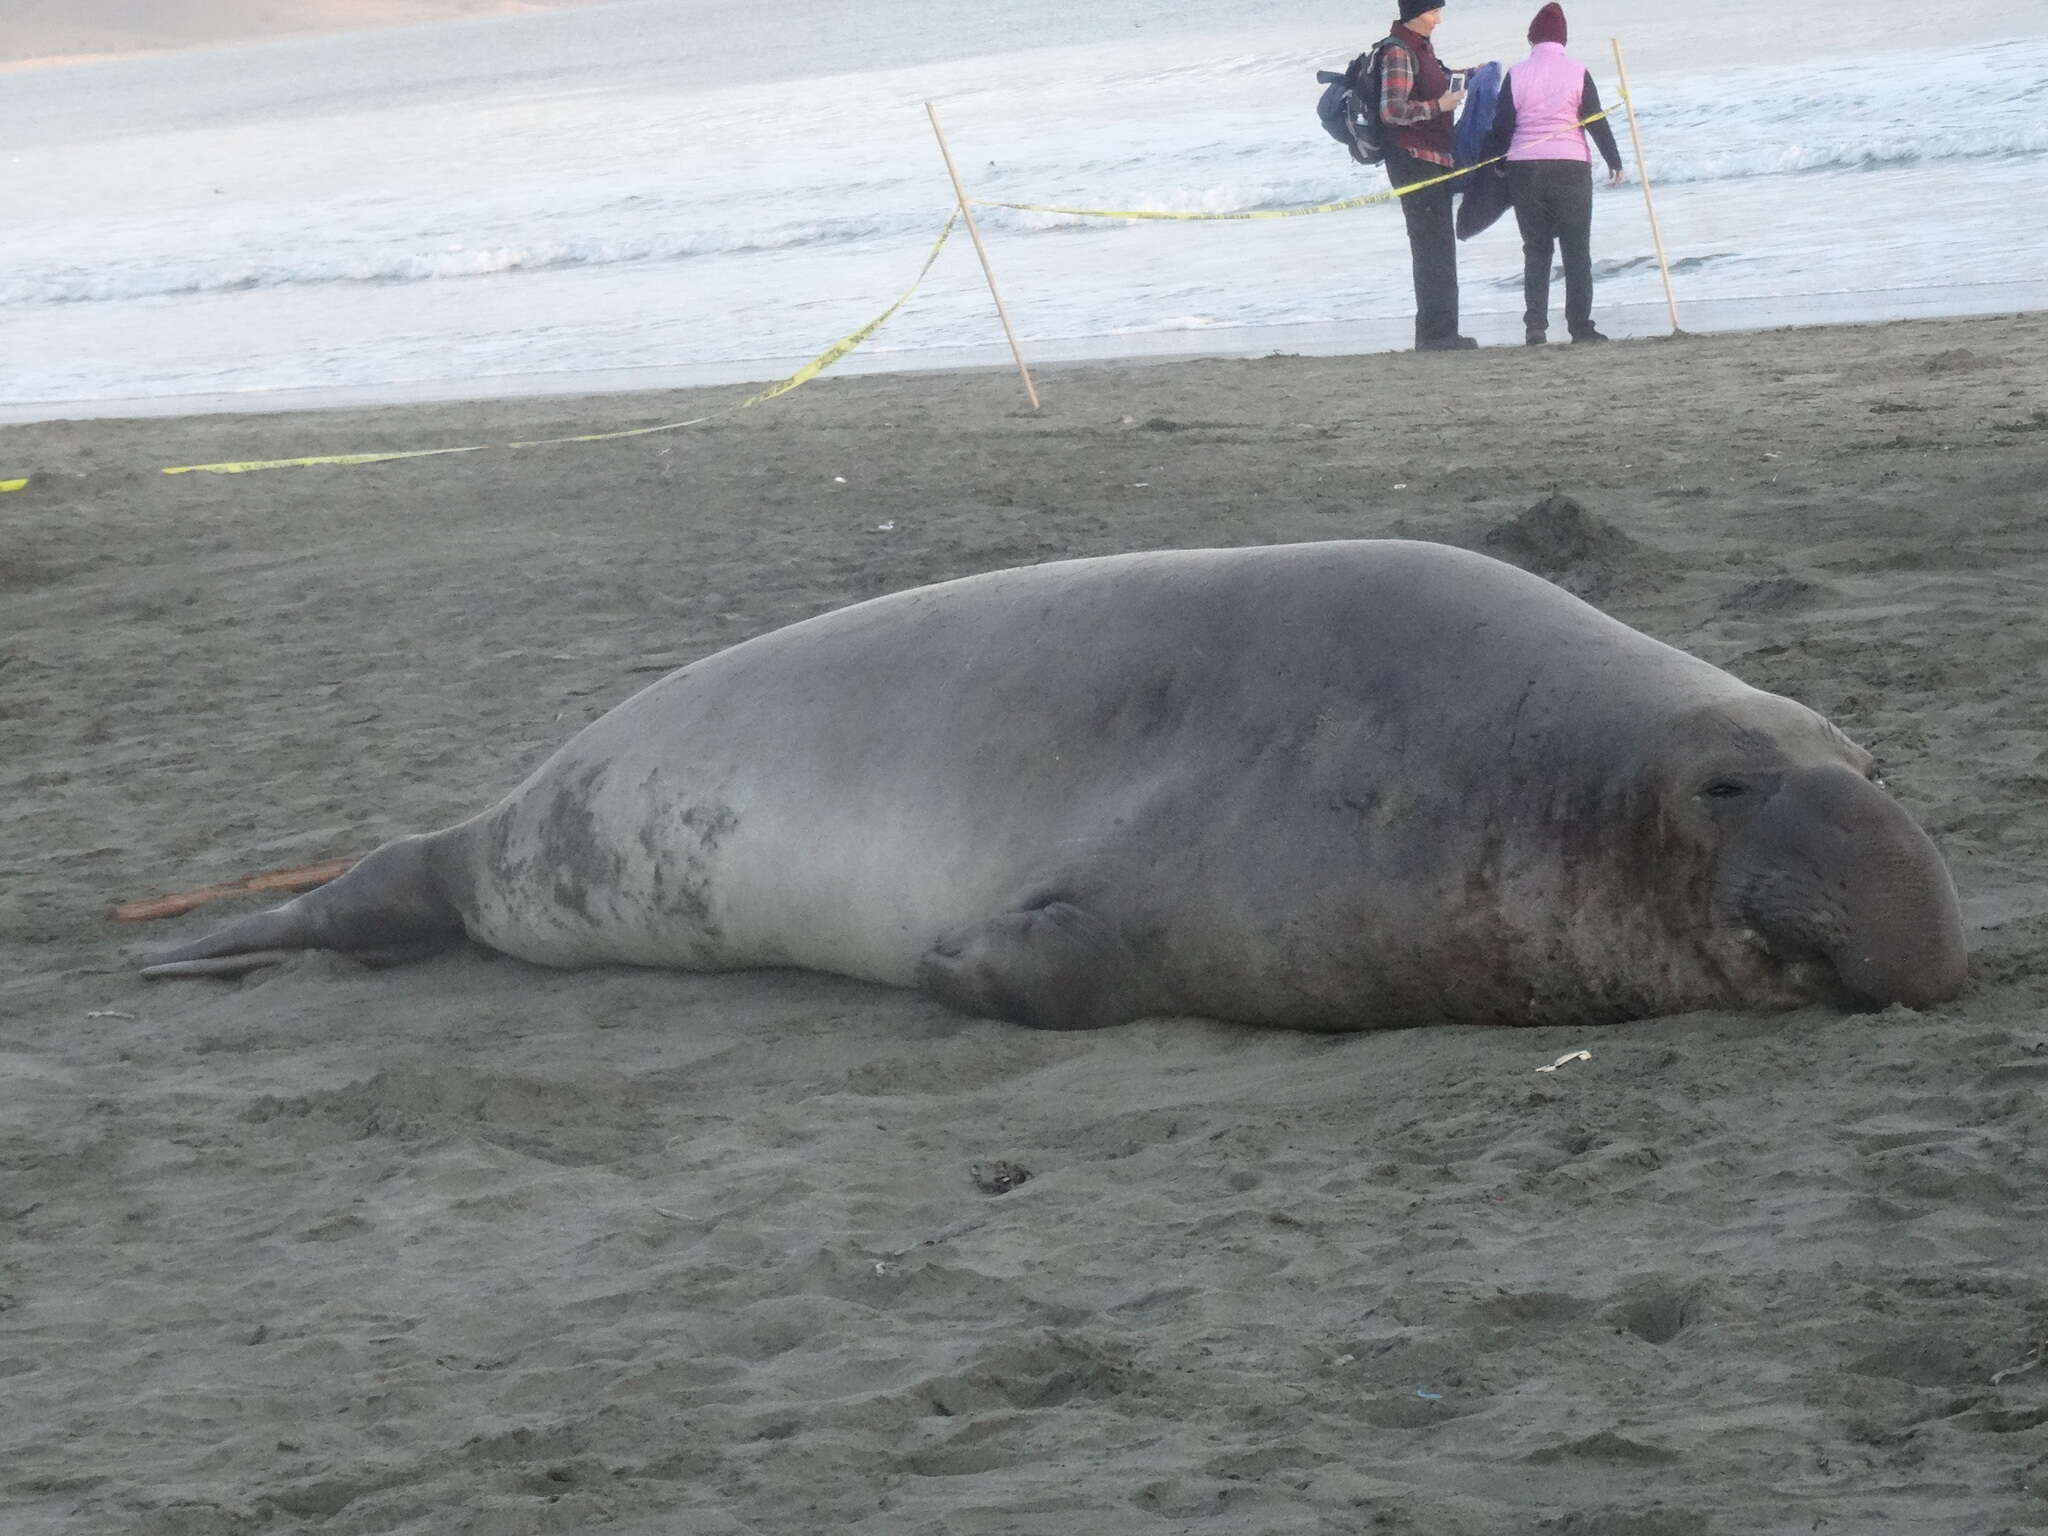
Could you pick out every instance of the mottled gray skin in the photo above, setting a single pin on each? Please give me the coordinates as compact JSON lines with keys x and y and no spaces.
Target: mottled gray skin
{"x":1332,"y":786}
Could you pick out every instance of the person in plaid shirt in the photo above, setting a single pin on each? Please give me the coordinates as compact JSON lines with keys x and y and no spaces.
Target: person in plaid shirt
{"x":1418,"y":106}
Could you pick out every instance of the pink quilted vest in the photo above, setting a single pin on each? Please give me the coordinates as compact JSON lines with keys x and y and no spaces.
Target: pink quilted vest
{"x":1548,"y":85}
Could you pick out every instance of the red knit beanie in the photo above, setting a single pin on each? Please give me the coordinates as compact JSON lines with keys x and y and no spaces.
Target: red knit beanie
{"x":1548,"y":27}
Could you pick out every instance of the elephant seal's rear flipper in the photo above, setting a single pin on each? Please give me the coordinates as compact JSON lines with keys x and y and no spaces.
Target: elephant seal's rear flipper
{"x":1051,"y":966}
{"x":227,"y":967}
{"x":392,"y":907}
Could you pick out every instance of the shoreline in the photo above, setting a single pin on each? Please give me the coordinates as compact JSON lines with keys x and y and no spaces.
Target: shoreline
{"x":1495,"y":328}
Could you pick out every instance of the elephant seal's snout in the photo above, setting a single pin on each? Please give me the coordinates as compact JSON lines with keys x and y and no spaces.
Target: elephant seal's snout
{"x":1835,"y":866}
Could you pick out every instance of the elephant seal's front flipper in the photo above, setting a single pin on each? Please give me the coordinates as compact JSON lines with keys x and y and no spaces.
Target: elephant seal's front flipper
{"x":392,"y":907}
{"x":1052,"y":965}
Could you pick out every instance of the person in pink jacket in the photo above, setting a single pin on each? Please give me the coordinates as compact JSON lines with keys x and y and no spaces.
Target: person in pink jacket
{"x":1550,"y":174}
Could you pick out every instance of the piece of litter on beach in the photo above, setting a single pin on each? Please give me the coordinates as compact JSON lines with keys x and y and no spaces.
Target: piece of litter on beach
{"x":1344,"y":1360}
{"x":1429,"y":1397}
{"x":1141,"y":485}
{"x":302,"y":877}
{"x":888,"y":527}
{"x":1567,"y":1057}
{"x":110,"y":1013}
{"x":883,"y":1267}
{"x":839,"y":479}
{"x":1402,"y":486}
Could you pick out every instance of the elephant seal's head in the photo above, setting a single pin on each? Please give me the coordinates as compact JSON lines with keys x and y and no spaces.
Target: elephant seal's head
{"x":1813,"y":880}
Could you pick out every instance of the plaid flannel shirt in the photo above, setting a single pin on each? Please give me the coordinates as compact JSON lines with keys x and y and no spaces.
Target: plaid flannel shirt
{"x":1398,"y":103}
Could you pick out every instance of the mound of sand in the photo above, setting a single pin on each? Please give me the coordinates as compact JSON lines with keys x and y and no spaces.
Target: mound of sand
{"x":1588,"y":556}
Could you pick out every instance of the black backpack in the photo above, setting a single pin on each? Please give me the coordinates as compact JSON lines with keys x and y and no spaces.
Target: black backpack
{"x":1350,"y":105}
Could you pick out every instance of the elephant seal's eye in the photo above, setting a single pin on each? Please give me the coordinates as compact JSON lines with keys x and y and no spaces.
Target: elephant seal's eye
{"x":1724,"y":789}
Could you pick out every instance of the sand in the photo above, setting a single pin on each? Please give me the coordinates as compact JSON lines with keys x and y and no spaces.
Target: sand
{"x":475,"y":1247}
{"x":64,"y":32}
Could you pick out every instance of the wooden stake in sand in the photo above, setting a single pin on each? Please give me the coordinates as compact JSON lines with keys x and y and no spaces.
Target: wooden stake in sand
{"x":982,"y":251}
{"x":302,"y":877}
{"x":1643,"y":170}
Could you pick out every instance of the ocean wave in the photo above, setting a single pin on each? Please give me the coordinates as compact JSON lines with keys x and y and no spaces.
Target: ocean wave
{"x":1207,"y":178}
{"x":1235,"y":193}
{"x":1878,"y":151}
{"x":389,"y":266}
{"x":1621,"y":266}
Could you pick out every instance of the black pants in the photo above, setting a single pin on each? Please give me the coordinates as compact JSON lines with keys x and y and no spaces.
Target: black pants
{"x":1432,"y":245}
{"x":1554,"y":206}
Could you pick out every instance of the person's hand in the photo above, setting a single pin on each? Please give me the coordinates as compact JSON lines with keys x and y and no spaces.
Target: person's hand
{"x":1448,"y":102}
{"x":1617,"y":176}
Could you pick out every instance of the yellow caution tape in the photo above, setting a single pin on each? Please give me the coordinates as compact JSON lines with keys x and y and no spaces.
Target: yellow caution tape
{"x":803,"y":375}
{"x":846,"y":344}
{"x":1345,"y":206}
{"x":244,"y":466}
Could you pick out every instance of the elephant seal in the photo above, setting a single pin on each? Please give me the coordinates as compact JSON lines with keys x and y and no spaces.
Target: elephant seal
{"x":1332,"y":785}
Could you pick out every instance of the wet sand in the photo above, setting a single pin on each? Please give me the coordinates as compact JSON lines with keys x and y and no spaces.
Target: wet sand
{"x":471,"y":1246}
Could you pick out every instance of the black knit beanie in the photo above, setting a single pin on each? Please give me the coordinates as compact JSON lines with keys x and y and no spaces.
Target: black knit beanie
{"x":1410,"y":9}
